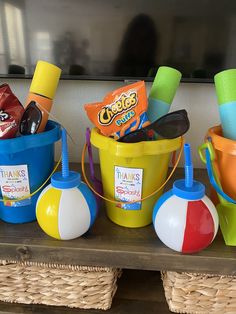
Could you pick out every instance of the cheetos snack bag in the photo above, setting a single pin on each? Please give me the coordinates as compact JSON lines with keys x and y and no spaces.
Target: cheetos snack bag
{"x":122,"y":111}
{"x":11,"y":112}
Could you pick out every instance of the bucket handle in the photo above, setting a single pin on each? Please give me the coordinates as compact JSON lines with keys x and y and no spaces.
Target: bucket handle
{"x":131,"y":202}
{"x":208,"y":159}
{"x":36,"y":191}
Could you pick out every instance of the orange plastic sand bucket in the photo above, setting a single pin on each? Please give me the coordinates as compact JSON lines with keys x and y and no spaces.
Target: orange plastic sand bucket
{"x":225,"y":161}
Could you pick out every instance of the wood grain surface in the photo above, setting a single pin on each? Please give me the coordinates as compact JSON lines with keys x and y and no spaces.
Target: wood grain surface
{"x":108,"y":244}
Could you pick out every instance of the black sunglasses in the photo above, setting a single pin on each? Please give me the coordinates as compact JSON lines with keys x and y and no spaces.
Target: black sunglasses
{"x":169,"y":126}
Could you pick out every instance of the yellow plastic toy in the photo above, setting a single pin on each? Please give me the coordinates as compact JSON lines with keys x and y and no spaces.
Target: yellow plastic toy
{"x":130,"y":172}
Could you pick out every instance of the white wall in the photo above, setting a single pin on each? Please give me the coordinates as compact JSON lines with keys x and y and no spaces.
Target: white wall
{"x":198,"y":99}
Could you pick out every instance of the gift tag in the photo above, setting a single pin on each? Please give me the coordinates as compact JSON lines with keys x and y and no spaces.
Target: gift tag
{"x":14,"y":182}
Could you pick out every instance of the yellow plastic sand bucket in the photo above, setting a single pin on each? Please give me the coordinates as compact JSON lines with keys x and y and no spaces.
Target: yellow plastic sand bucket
{"x":130,"y":172}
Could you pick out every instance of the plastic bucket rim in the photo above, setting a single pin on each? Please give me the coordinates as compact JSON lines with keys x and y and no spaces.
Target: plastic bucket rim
{"x":139,"y":149}
{"x":21,"y":143}
{"x":220,"y":142}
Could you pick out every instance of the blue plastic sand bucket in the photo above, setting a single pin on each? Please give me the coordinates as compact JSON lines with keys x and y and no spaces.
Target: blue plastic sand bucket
{"x":26,"y":162}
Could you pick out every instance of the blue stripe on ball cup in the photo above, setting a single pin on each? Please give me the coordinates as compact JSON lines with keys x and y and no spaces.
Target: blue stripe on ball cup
{"x":160,"y":202}
{"x":91,"y":201}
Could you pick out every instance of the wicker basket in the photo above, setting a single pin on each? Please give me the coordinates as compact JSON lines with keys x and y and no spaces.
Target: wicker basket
{"x":199,"y":293}
{"x":61,"y":285}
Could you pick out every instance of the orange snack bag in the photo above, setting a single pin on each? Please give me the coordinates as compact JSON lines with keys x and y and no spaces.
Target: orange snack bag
{"x":119,"y":109}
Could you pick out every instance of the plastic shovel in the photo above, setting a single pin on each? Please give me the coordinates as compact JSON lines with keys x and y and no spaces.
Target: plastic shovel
{"x":96,"y":182}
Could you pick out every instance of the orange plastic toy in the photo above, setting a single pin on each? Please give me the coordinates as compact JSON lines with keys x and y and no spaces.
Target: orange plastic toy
{"x":225,"y":161}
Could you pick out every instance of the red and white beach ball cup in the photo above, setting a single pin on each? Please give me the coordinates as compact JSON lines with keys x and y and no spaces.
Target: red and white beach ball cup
{"x":185,"y":225}
{"x":184,"y":218}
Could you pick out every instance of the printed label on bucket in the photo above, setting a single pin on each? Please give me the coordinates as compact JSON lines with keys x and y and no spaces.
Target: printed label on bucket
{"x":128,"y":186}
{"x":14,"y":182}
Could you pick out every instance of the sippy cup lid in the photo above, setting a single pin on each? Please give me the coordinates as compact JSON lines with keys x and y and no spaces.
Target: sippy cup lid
{"x":195,"y":192}
{"x":61,"y":182}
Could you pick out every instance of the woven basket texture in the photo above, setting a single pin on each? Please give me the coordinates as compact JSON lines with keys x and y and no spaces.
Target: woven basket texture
{"x":60,"y":285}
{"x":199,"y":293}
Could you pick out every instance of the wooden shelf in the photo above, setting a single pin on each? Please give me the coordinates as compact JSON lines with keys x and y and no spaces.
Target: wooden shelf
{"x":139,"y":292}
{"x":110,"y":245}
{"x":106,"y":244}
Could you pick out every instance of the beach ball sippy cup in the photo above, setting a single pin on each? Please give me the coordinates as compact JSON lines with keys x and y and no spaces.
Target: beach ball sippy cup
{"x":66,"y":208}
{"x":184,"y":218}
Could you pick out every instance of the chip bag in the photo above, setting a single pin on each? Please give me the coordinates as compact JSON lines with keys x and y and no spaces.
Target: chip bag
{"x":122,"y":110}
{"x":11,"y":112}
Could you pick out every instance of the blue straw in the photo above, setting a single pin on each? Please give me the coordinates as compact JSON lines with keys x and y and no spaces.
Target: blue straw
{"x":188,"y":166}
{"x":65,"y":161}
